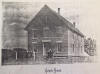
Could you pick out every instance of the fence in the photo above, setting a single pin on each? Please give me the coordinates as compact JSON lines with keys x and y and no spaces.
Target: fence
{"x":15,"y":54}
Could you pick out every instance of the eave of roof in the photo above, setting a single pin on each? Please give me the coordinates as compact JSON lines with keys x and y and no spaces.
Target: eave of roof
{"x":69,"y":24}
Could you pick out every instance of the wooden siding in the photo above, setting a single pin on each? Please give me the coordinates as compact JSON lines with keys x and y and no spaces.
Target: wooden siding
{"x":72,"y":43}
{"x":75,"y":44}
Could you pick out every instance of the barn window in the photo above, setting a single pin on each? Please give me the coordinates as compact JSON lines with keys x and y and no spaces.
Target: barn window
{"x":35,"y":33}
{"x":59,"y":31}
{"x":73,"y":36}
{"x":59,"y":45}
{"x":46,"y":28}
{"x":73,"y":48}
{"x":46,"y":31}
{"x":81,"y":49}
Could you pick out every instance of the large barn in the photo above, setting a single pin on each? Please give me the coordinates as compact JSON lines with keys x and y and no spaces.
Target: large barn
{"x":49,"y":31}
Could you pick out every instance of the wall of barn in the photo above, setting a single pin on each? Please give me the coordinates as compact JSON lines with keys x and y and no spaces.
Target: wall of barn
{"x":65,"y":42}
{"x":70,"y":43}
{"x":75,"y":44}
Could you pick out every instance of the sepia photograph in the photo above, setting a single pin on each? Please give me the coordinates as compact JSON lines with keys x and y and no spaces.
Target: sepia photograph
{"x":44,"y":34}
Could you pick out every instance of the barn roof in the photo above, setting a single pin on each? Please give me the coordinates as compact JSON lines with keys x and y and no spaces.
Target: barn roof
{"x":46,"y":16}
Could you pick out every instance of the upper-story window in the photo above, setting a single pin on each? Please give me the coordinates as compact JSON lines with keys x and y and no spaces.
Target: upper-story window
{"x":59,"y":30}
{"x":46,"y":28}
{"x":46,"y":31}
{"x":73,"y":48}
{"x":73,"y":36}
{"x":81,"y":49}
{"x":35,"y":33}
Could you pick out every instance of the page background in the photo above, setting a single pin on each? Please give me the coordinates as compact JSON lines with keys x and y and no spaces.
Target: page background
{"x":90,"y":15}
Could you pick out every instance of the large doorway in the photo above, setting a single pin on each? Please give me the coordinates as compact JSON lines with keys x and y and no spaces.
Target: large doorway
{"x":47,"y":49}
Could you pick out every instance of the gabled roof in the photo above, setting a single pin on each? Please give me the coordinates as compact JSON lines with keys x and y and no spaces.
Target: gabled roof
{"x":47,"y":16}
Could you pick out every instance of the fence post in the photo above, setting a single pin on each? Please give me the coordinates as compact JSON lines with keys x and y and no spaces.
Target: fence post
{"x":16,"y":55}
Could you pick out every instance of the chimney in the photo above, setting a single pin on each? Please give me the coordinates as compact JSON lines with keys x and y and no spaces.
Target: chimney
{"x":58,"y":10}
{"x":74,"y":24}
